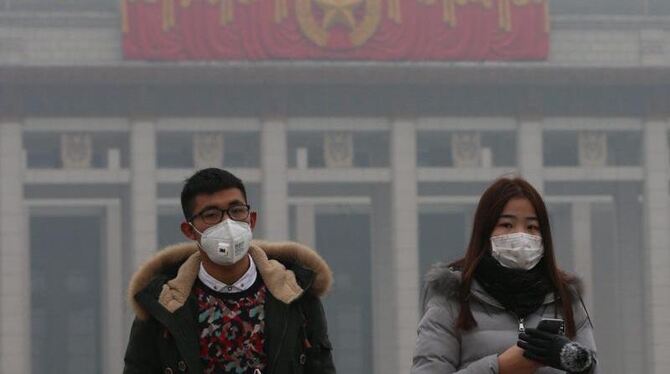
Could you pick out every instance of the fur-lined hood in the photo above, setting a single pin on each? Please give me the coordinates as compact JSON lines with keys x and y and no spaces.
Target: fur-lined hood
{"x":268,"y":257}
{"x":444,"y":280}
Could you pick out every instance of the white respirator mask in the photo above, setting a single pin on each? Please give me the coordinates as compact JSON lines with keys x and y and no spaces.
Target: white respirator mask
{"x":227,"y":242}
{"x":517,"y":251}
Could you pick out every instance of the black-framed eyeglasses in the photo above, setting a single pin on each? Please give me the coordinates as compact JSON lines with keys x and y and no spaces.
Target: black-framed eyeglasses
{"x":214,"y":215}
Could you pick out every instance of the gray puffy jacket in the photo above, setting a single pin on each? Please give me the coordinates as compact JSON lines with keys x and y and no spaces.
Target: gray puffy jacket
{"x":442,"y":349}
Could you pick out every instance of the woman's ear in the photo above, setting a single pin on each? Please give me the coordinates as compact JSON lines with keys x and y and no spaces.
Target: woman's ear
{"x":188,"y":230}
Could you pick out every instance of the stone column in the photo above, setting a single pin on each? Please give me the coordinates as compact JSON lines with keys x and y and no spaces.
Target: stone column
{"x":628,"y":351}
{"x":15,"y":309}
{"x":616,"y":245}
{"x":114,"y":329}
{"x":274,"y":213}
{"x":404,"y":239}
{"x":384,"y":314}
{"x":657,"y":225}
{"x":530,"y":152}
{"x":582,"y":249}
{"x":143,"y":198}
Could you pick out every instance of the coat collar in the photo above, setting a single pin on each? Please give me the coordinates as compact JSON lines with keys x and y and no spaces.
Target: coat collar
{"x":271,"y":259}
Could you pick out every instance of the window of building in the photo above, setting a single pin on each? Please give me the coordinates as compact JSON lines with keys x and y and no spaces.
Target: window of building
{"x":470,"y":149}
{"x":560,"y":148}
{"x":371,"y":149}
{"x":54,"y":150}
{"x":177,"y":149}
{"x":317,"y":149}
{"x":592,"y":148}
{"x":305,"y":149}
{"x":433,"y":149}
{"x":625,"y":148}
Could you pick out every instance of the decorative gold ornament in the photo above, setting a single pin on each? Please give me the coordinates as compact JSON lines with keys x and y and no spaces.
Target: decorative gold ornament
{"x":281,"y":10}
{"x":547,"y":20}
{"x":338,"y":149}
{"x":208,"y":150}
{"x":76,"y":150}
{"x":227,"y":14}
{"x":504,"y":15}
{"x":169,"y":18}
{"x":449,"y":12}
{"x":367,"y":28}
{"x":592,"y":149}
{"x":394,"y":11}
{"x":449,"y":8}
{"x":125,"y":23}
{"x":466,"y":149}
{"x":338,"y":11}
{"x":504,"y":10}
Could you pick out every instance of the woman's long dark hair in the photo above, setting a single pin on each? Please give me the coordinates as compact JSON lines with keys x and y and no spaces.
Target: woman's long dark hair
{"x":490,"y":208}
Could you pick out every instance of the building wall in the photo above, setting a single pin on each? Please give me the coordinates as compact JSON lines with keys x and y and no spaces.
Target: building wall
{"x":95,"y":39}
{"x":598,"y":207}
{"x":613,"y":217}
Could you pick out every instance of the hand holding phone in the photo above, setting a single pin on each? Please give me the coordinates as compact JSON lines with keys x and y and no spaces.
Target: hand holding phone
{"x":548,"y":345}
{"x":552,"y":325}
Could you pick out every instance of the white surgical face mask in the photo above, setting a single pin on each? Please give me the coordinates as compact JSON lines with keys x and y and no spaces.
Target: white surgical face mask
{"x":518,"y":250}
{"x":227,"y":242}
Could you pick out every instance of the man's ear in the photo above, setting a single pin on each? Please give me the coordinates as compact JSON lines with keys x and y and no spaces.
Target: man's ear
{"x":252,"y":220}
{"x":188,"y":230}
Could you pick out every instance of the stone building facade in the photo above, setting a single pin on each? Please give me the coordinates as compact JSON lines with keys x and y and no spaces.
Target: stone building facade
{"x":378,"y":165}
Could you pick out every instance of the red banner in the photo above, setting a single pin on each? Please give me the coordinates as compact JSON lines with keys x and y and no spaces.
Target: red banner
{"x":389,"y":30}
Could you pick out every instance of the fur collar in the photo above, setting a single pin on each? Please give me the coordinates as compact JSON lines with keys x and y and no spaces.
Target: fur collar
{"x":446,"y":281}
{"x":443,"y":280}
{"x":268,"y":257}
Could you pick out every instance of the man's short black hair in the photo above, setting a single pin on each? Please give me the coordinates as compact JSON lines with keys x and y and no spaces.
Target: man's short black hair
{"x":208,"y":181}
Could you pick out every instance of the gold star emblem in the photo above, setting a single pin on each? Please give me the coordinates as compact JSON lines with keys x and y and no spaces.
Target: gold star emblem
{"x":339,"y":11}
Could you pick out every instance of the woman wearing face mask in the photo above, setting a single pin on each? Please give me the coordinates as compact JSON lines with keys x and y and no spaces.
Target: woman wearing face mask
{"x":481,"y":312}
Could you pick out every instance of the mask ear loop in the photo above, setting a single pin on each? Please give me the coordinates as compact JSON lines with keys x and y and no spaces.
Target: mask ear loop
{"x":197,"y":242}
{"x":196,"y":230}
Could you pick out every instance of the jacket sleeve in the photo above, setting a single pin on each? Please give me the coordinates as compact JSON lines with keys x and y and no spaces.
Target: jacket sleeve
{"x":319,"y":358}
{"x":585,"y":334}
{"x":141,"y":354}
{"x":438,"y":348}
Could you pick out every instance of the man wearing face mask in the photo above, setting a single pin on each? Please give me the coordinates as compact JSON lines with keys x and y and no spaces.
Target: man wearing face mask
{"x":225,"y":303}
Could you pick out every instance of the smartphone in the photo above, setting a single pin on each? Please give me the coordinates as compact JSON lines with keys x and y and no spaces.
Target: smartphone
{"x":552,"y":325}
